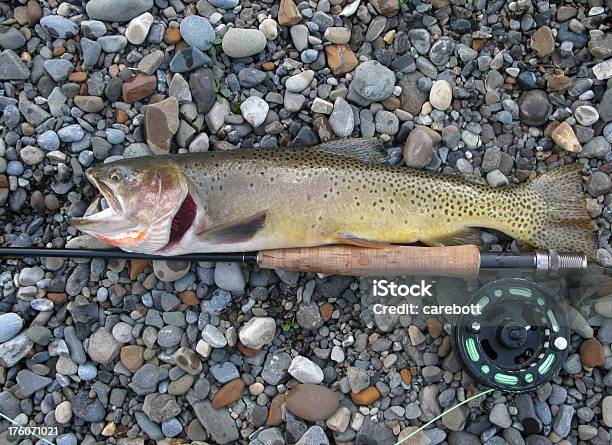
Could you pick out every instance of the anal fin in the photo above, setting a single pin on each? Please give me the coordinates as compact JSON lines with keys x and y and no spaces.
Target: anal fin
{"x":470,"y":235}
{"x":355,"y":240}
{"x":234,"y":232}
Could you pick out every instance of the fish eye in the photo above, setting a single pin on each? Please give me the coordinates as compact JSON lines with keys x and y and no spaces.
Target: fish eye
{"x":115,"y":175}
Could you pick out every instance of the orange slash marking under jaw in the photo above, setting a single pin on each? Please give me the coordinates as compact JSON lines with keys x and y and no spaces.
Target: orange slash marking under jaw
{"x":130,"y":238}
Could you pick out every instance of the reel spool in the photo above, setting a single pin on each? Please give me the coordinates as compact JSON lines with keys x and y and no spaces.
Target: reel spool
{"x":519,"y":341}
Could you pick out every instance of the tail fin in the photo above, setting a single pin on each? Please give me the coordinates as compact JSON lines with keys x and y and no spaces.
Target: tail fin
{"x":562,"y":221}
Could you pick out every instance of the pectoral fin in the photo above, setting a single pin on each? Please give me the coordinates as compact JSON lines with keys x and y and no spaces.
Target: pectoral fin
{"x":470,"y":235}
{"x":235,"y":231}
{"x":355,"y":240}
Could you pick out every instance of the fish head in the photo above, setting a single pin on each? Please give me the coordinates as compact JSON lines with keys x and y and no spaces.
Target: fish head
{"x":143,"y":195}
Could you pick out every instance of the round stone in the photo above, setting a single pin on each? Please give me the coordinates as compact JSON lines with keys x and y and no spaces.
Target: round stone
{"x":373,"y":81}
{"x":440,"y":95}
{"x":197,"y":32}
{"x":240,"y":42}
{"x":534,"y":108}
{"x":254,"y":110}
{"x":586,"y":115}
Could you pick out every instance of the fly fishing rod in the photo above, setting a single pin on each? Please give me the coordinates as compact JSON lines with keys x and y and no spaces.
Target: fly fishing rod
{"x":456,"y":261}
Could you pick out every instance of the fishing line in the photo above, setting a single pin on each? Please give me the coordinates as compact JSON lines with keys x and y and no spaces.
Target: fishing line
{"x":21,"y":426}
{"x":444,"y":413}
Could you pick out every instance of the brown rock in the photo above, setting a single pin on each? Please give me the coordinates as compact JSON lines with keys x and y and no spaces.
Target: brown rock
{"x":323,"y":129}
{"x":161,"y":124}
{"x":268,"y":66}
{"x":77,"y":76}
{"x":228,"y":394}
{"x":387,"y":8}
{"x":558,"y":82}
{"x":592,"y":353}
{"x":418,"y":148}
{"x":275,"y":414}
{"x":103,"y":347}
{"x":434,"y":327}
{"x":4,"y":189}
{"x":57,"y":297}
{"x":137,"y":267}
{"x":132,"y":357}
{"x":139,"y":87}
{"x":29,"y":14}
{"x":245,"y":350}
{"x":412,"y":98}
{"x":326,"y":311}
{"x":172,"y":36}
{"x":341,"y":59}
{"x":365,"y":397}
{"x":89,"y":104}
{"x":543,"y":42}
{"x":406,"y":377}
{"x":565,"y":138}
{"x":189,"y":297}
{"x":288,"y":13}
{"x":312,"y":402}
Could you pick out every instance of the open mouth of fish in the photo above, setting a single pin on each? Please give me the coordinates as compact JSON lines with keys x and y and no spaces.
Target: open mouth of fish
{"x":182,"y":220}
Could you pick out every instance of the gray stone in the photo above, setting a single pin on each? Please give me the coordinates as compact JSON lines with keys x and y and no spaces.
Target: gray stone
{"x":30,"y":382}
{"x":10,"y":325}
{"x":313,"y":436}
{"x":386,"y":122}
{"x":14,"y":350}
{"x":48,"y":140}
{"x":240,"y":42}
{"x":358,"y":378}
{"x":275,"y":368}
{"x":341,"y":119}
{"x":563,"y":420}
{"x":59,"y":27}
{"x":150,"y":428}
{"x":58,"y":69}
{"x":11,"y":66}
{"x":11,"y":38}
{"x":218,"y":423}
{"x":373,"y":81}
{"x":117,"y":10}
{"x":197,"y":32}
{"x":112,"y":44}
{"x":224,"y":372}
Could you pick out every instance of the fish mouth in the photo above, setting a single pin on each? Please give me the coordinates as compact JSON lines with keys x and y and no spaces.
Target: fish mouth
{"x":94,"y":221}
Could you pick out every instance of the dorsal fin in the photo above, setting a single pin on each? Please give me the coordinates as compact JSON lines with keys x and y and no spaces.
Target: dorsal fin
{"x":369,"y":150}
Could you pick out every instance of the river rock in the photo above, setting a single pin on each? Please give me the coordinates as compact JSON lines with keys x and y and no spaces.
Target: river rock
{"x":441,"y":95}
{"x":565,"y":138}
{"x":161,"y":124}
{"x":197,"y":32}
{"x":117,"y":10}
{"x":373,"y":81}
{"x":103,"y":347}
{"x":254,"y":110}
{"x":258,"y":332}
{"x":543,"y":42}
{"x":12,"y":67}
{"x":534,"y":108}
{"x":138,"y":28}
{"x":240,"y":42}
{"x":312,"y":402}
{"x":305,"y":370}
{"x":418,"y":149}
{"x":10,"y":325}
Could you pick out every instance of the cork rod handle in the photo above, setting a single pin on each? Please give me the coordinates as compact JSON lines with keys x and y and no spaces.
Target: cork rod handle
{"x":456,"y":261}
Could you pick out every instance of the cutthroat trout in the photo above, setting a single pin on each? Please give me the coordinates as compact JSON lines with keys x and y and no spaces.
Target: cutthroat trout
{"x":337,"y":193}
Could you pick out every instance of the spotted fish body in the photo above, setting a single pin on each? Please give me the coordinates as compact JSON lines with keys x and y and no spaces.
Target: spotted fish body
{"x":247,"y":200}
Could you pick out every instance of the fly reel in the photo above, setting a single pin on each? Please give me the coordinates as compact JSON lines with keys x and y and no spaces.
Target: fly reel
{"x":519,"y":340}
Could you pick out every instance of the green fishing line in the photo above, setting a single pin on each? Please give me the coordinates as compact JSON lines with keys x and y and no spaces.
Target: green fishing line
{"x":22,"y":426}
{"x":445,"y":412}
